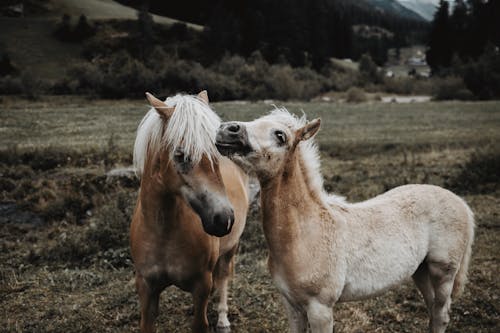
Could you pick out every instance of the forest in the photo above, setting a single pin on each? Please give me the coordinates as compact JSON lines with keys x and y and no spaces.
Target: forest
{"x":299,"y":32}
{"x":272,"y":50}
{"x":465,"y":44}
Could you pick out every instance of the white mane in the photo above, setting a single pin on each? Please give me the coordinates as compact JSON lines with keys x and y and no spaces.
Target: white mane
{"x":192,"y":126}
{"x":309,"y":153}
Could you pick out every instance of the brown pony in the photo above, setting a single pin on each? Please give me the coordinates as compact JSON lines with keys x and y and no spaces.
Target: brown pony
{"x":188,"y":195}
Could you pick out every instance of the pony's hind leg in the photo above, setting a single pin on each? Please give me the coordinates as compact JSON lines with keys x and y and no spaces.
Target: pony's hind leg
{"x":297,"y":318}
{"x":222,"y":274}
{"x":422,"y":280}
{"x":320,"y":317}
{"x":148,"y":298}
{"x":442,"y":277}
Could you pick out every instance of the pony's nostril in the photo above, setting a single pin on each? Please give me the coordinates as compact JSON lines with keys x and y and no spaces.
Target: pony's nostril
{"x":230,"y":222}
{"x":233,"y":128}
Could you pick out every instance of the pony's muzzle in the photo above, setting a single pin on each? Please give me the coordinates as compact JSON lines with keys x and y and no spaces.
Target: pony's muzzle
{"x":223,"y":223}
{"x":232,"y":138}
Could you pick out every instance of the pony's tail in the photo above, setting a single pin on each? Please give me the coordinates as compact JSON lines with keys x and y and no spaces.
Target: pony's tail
{"x":461,"y":277}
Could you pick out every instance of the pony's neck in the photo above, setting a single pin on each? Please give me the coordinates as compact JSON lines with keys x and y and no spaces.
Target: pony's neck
{"x":159,"y":206}
{"x":289,"y":202}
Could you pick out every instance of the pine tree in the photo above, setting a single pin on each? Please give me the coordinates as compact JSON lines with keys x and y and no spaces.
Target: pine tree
{"x":145,"y":25}
{"x":459,"y":25}
{"x":440,"y":50}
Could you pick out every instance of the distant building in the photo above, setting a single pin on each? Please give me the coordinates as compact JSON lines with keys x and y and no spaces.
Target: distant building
{"x":16,"y":10}
{"x":418,"y":59}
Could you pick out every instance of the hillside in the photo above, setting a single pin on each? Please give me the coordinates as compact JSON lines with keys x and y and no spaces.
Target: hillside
{"x":206,"y":8}
{"x":425,"y":8}
{"x":29,"y":42}
{"x":105,"y":10}
{"x":393,"y":7}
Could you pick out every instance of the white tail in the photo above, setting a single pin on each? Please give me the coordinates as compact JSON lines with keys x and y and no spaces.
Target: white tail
{"x":461,"y":277}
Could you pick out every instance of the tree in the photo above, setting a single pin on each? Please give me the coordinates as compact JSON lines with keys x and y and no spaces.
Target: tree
{"x":440,"y":50}
{"x":459,"y":24}
{"x":368,"y":69}
{"x":146,"y":35}
{"x":63,"y":29}
{"x":482,"y":76}
{"x":83,"y":29}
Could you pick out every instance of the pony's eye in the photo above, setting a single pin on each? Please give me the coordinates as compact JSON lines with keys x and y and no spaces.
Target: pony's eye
{"x":179,"y":155}
{"x":281,"y":136}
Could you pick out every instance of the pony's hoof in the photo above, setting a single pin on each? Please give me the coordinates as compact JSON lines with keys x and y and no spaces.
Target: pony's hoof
{"x":223,"y":324}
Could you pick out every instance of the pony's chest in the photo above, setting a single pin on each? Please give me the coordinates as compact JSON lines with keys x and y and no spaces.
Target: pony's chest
{"x":175,"y":262}
{"x":293,"y":285}
{"x":281,"y":282}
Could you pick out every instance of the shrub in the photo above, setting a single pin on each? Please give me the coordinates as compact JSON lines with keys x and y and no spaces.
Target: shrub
{"x":482,"y":77}
{"x":88,"y":78}
{"x":32,"y":86}
{"x":281,"y":82}
{"x":230,"y":65}
{"x":399,"y":85}
{"x":65,"y":86}
{"x":121,"y":75}
{"x":10,"y":85}
{"x":355,"y":95}
{"x":82,"y":30}
{"x":63,"y":29}
{"x":311,"y":83}
{"x":450,"y":88}
{"x":65,"y":32}
{"x":368,"y":70}
{"x":6,"y":66}
{"x":479,"y":175}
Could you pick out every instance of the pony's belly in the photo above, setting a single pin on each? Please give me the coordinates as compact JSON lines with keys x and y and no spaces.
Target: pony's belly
{"x":364,"y":291}
{"x":373,"y":281}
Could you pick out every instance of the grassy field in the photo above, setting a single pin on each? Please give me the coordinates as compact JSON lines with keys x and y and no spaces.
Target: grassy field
{"x":64,"y":260}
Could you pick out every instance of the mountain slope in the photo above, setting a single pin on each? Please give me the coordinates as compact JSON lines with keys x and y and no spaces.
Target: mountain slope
{"x":31,"y":46}
{"x":105,"y":9}
{"x":393,"y":7}
{"x":425,"y":8}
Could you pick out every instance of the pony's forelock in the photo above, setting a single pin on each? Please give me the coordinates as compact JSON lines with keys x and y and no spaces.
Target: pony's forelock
{"x":192,"y":128}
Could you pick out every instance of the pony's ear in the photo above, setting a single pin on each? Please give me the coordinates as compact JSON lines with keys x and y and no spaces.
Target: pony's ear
{"x":309,"y":130}
{"x":162,"y":108}
{"x":203,"y":95}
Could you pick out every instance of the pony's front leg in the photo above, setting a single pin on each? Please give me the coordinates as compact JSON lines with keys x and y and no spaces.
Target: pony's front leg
{"x":296,"y":317}
{"x":201,"y":293}
{"x":223,"y":324}
{"x":148,"y":299}
{"x":222,"y":274}
{"x":320,"y":317}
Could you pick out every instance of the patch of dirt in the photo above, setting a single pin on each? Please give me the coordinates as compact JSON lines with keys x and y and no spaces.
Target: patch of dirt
{"x":67,"y":274}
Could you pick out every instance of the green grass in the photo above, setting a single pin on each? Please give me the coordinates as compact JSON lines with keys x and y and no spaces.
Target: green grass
{"x":80,"y":123}
{"x":72,"y":272}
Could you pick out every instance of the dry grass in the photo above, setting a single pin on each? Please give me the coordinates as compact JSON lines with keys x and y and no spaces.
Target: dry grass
{"x":64,"y":260}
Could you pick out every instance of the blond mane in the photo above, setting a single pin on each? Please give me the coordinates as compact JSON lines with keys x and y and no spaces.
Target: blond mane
{"x":192,"y":127}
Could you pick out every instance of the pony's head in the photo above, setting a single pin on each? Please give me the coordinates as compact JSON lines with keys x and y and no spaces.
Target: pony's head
{"x":175,"y":149}
{"x":264,"y":146}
